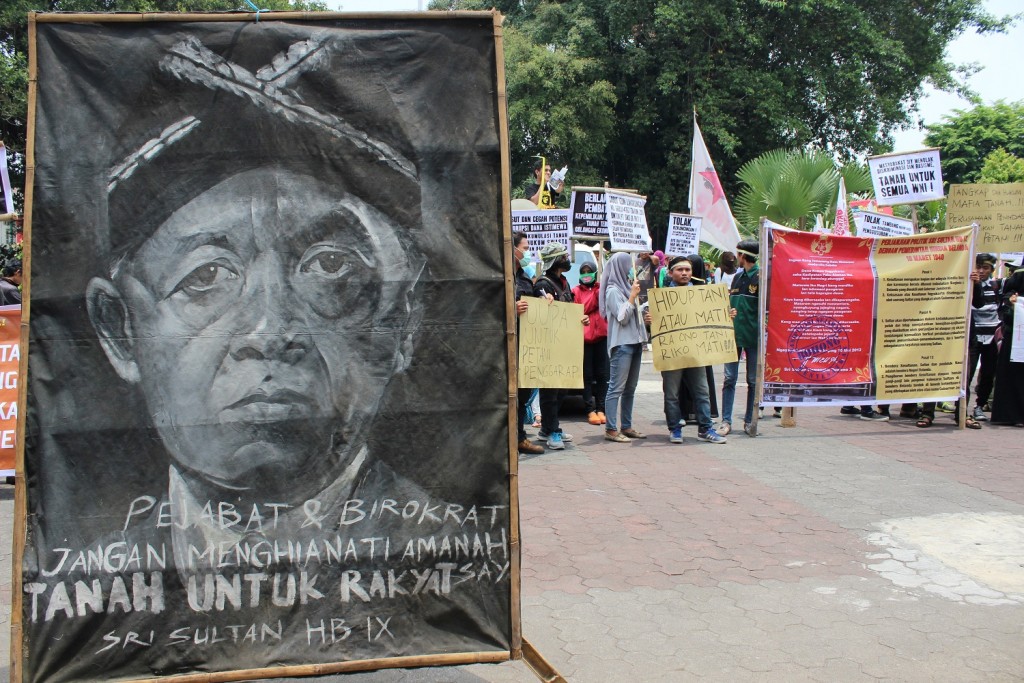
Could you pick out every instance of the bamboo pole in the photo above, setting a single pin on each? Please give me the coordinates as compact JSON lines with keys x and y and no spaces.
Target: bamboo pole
{"x":147,"y":17}
{"x":20,"y":492}
{"x":540,"y":666}
{"x":452,"y":659}
{"x":512,"y":343}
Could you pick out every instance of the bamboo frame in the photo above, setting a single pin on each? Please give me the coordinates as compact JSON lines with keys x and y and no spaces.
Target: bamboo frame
{"x":20,"y":521}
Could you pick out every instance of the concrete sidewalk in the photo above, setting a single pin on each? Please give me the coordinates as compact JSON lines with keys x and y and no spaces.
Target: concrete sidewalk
{"x":839,"y":550}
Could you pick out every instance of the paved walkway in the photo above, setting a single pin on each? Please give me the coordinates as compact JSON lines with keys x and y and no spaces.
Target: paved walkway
{"x":839,"y":550}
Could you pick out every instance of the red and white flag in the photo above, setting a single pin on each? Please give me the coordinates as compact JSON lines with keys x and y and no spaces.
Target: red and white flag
{"x":707,"y":199}
{"x":841,"y":225}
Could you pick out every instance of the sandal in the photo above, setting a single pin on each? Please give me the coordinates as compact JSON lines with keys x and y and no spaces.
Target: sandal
{"x":724,"y":428}
{"x":633,"y":434}
{"x":617,"y":437}
{"x":971,"y":423}
{"x":924,"y":421}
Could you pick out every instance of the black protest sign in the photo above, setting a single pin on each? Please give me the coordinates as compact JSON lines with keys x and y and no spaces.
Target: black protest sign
{"x":588,"y":216}
{"x":253,"y":285}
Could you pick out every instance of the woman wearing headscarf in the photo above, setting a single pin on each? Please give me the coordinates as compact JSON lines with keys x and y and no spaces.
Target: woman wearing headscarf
{"x":626,"y":337}
{"x":595,"y":345}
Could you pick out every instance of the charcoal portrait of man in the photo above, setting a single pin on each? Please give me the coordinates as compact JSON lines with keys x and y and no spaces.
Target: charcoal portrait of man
{"x":259,"y":290}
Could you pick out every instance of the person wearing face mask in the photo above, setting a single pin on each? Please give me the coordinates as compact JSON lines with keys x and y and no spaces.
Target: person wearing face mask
{"x":524,"y":287}
{"x":595,"y":345}
{"x":553,"y":286}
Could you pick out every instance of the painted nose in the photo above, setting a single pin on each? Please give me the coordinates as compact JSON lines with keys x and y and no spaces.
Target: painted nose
{"x":273,"y":331}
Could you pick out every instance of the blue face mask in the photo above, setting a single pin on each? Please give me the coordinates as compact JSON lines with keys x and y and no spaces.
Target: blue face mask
{"x":524,"y":261}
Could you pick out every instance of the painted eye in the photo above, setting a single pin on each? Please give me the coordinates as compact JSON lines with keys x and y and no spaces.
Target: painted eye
{"x":205,"y":278}
{"x":330,"y":262}
{"x":325,"y":263}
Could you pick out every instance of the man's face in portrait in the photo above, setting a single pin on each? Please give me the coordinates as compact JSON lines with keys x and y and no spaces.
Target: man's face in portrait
{"x":262,"y":322}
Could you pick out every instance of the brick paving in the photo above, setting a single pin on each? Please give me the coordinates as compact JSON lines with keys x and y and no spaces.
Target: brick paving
{"x":838,"y":550}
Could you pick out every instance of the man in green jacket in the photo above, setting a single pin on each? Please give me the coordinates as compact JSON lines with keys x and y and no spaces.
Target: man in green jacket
{"x":743,"y":297}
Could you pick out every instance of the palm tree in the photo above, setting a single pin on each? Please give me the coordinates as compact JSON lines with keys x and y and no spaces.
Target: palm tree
{"x":792,"y":187}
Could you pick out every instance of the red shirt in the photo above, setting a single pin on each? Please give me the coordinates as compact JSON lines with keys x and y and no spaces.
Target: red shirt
{"x":588,"y":296}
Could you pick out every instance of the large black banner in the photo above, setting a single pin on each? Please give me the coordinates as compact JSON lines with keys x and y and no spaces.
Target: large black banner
{"x":268,"y":400}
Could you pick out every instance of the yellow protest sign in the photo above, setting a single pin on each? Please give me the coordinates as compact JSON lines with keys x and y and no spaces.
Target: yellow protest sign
{"x":691,"y":327}
{"x":998,"y":209}
{"x":551,"y":345}
{"x":922,"y":315}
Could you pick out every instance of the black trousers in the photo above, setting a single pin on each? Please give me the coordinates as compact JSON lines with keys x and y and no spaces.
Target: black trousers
{"x":550,"y":404}
{"x":595,"y":375}
{"x":523,"y":400}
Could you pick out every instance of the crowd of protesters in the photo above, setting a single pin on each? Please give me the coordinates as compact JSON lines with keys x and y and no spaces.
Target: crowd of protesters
{"x":618,"y":330}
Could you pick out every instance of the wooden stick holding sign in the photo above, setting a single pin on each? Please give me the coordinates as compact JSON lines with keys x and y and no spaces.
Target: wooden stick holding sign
{"x":691,"y":327}
{"x":551,"y":345}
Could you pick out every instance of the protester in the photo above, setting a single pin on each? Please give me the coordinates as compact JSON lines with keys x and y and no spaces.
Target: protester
{"x":595,"y":345}
{"x":725,"y":273}
{"x":1008,"y":403}
{"x":680,"y":271}
{"x":524,"y":287}
{"x":626,"y":337}
{"x":10,"y":283}
{"x":743,"y":296}
{"x":533,"y":188}
{"x":701,"y":275}
{"x":984,"y":352}
{"x":553,"y":286}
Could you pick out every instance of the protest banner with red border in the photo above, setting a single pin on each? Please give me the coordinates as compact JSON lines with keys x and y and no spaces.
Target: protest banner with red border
{"x":10,"y":354}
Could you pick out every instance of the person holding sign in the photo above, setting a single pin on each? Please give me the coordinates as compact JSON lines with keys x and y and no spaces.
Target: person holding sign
{"x":1008,"y":404}
{"x":553,"y":286}
{"x":524,"y":287}
{"x":626,"y":339}
{"x":680,"y":270}
{"x":744,"y":296}
{"x":595,"y":345}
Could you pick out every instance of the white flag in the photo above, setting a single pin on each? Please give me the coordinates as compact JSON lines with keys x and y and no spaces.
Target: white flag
{"x":707,"y":199}
{"x":841,"y":225}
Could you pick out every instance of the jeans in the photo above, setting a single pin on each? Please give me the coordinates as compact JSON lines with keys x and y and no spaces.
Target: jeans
{"x":732,"y":371}
{"x":595,"y":375}
{"x":550,"y":404}
{"x":697,"y":384}
{"x":623,"y":377}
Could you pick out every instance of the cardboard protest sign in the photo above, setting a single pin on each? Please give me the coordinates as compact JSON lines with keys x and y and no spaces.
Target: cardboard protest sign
{"x":683,"y":234}
{"x":856,"y":320}
{"x":998,"y":209}
{"x":551,"y":345}
{"x":262,"y":282}
{"x":10,"y":356}
{"x":543,"y":226}
{"x":691,"y":327}
{"x":627,"y":222}
{"x":870,"y":224}
{"x":588,"y":214}
{"x":906,"y":178}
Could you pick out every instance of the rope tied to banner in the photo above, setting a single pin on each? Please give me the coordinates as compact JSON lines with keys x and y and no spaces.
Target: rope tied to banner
{"x":256,"y":9}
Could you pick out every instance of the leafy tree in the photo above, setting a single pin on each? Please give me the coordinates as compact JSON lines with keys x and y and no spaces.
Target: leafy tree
{"x":1002,"y":167}
{"x":793,"y":187}
{"x":14,"y":52}
{"x":967,"y":138}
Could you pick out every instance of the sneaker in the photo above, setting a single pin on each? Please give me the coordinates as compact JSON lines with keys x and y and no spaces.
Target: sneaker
{"x":632,"y":434}
{"x":711,"y":436}
{"x":979,"y":414}
{"x":530,"y":448}
{"x":617,"y":437}
{"x":725,"y":428}
{"x":945,"y":407}
{"x":544,"y":436}
{"x":555,"y":441}
{"x":874,"y":416}
{"x":593,"y":418}
{"x":777,"y":413}
{"x":676,"y":435}
{"x":849,"y":410}
{"x":749,"y":429}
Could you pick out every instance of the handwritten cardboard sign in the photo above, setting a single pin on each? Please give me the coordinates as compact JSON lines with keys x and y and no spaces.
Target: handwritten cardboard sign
{"x":691,"y":327}
{"x":998,"y":209}
{"x":551,"y":345}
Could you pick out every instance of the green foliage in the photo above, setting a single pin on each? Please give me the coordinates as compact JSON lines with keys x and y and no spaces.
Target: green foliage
{"x":1002,"y":167}
{"x":792,"y":187}
{"x":968,"y":138}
